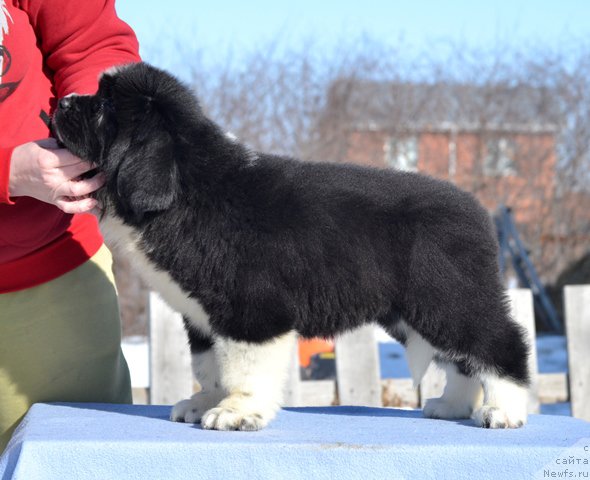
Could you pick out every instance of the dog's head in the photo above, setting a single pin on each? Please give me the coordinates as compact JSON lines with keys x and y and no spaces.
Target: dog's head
{"x":132,"y":130}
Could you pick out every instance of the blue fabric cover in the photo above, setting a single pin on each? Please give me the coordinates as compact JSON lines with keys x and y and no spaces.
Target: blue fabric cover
{"x":98,"y":441}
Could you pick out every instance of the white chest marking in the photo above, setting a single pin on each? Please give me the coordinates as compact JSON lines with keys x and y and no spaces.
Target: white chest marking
{"x":125,"y":241}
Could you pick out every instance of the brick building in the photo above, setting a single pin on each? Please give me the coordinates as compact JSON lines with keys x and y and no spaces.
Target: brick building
{"x":513,"y":166}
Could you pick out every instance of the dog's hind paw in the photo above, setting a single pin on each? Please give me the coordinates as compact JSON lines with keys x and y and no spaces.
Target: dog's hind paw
{"x":442,"y":408}
{"x":494,"y":417}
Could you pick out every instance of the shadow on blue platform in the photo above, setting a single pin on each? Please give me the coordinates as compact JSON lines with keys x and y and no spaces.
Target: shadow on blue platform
{"x":162,"y":412}
{"x":354,"y":411}
{"x":156,"y":412}
{"x":358,"y":411}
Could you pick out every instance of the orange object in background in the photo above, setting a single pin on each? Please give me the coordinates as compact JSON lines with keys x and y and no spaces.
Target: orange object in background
{"x":310,"y":347}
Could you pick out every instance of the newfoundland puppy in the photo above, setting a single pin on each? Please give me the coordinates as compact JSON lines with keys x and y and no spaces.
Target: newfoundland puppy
{"x":254,"y":249}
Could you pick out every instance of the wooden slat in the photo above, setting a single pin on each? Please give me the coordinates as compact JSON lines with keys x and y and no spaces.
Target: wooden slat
{"x":399,"y":392}
{"x":140,"y":395}
{"x":521,"y":305}
{"x":292,"y":390}
{"x":170,"y":359}
{"x":318,"y":393}
{"x":577,"y":323}
{"x":553,"y":388}
{"x":357,"y":368}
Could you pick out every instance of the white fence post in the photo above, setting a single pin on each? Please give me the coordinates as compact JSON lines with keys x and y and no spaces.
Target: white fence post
{"x":357,"y":368}
{"x":523,"y":312}
{"x":170,"y":358}
{"x":292,"y":390}
{"x":577,"y":323}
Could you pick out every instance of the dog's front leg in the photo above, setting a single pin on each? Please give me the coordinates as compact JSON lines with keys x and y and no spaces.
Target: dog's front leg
{"x":253,"y":374}
{"x":206,"y":372}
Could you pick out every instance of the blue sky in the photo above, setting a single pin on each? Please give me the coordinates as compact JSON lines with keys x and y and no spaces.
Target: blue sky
{"x":165,"y":28}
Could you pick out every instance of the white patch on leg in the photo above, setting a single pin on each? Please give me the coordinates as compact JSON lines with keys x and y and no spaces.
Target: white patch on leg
{"x":504,"y":404}
{"x":419,"y":353}
{"x":211,"y":392}
{"x":462,"y":395}
{"x":253,"y":375}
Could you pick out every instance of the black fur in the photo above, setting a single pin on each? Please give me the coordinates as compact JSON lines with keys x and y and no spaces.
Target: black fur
{"x":268,"y":244}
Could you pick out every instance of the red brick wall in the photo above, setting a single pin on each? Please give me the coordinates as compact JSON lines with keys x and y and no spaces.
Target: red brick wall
{"x":366,"y":148}
{"x":433,"y":154}
{"x":529,"y":191}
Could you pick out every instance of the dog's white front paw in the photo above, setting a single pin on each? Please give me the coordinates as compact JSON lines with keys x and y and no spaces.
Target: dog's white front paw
{"x":239,"y":412}
{"x":220,"y":418}
{"x":494,"y":417}
{"x":443,"y":408}
{"x":191,"y":410}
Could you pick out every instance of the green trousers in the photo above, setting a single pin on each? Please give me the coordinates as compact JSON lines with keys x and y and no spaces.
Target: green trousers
{"x":61,"y":342}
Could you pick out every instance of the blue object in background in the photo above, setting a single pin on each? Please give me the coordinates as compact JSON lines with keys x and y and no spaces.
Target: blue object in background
{"x":392,"y":360}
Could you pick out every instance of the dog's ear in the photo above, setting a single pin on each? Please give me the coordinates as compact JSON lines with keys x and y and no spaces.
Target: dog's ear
{"x":148,"y":177}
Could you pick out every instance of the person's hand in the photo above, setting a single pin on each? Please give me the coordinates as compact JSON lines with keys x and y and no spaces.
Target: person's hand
{"x":45,"y":171}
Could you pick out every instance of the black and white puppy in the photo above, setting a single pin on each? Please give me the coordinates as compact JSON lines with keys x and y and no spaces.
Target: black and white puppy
{"x":254,"y":249}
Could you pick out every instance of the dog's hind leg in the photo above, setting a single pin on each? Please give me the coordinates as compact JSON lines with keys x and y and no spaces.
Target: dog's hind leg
{"x":504,"y":404}
{"x":500,"y":367}
{"x":504,"y":374}
{"x":253,"y":374}
{"x":206,"y":373}
{"x":419,"y":354}
{"x":477,"y":334}
{"x":461,"y":397}
{"x":462,"y":393}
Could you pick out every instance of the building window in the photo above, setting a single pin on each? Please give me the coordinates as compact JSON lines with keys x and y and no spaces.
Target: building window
{"x":500,"y":157}
{"x":402,"y":153}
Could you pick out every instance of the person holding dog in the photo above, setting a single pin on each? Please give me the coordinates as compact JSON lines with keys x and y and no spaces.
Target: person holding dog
{"x":60,"y":330}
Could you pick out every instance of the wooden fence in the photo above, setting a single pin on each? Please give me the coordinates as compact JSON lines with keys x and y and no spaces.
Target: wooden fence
{"x":357,"y":364}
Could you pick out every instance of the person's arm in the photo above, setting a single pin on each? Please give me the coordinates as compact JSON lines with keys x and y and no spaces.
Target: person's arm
{"x":80,"y":40}
{"x":5,"y":157}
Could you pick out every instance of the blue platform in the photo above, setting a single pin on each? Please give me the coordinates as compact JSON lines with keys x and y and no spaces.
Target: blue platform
{"x":98,"y":441}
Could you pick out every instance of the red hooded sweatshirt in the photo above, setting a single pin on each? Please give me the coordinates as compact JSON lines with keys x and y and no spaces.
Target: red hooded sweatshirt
{"x":48,"y":49}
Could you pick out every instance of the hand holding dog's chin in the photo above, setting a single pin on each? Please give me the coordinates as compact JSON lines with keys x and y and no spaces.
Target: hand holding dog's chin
{"x":51,"y":174}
